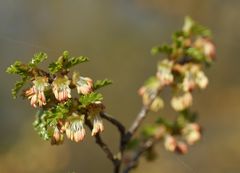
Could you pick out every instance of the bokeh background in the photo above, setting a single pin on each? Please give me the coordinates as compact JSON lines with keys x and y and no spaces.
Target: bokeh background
{"x":117,"y":35}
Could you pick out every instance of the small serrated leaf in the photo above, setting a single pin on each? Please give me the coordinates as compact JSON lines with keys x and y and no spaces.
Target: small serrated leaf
{"x":18,"y":86}
{"x":101,"y":83}
{"x":161,"y":49}
{"x":195,"y":54}
{"x":90,"y":98}
{"x":148,"y":131}
{"x":55,"y":67}
{"x":76,"y":60}
{"x":18,"y":68}
{"x":37,"y":58}
{"x":134,"y":143}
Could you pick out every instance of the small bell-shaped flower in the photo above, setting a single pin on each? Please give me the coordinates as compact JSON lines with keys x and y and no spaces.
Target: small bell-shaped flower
{"x":94,"y":110}
{"x":182,"y":102}
{"x":36,"y":92}
{"x":97,"y":125}
{"x":207,"y":47}
{"x":193,"y":77}
{"x":61,"y":88}
{"x":170,"y":143}
{"x":164,"y":73}
{"x":84,"y":85}
{"x":57,"y":137}
{"x":191,"y":133}
{"x":75,"y":130}
{"x":182,"y":148}
{"x":201,"y":80}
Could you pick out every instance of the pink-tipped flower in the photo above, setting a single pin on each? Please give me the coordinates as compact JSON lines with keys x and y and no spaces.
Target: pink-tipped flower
{"x":182,"y":102}
{"x":207,"y":47}
{"x":191,"y":133}
{"x":57,"y":137}
{"x":181,"y":148}
{"x":36,"y":93}
{"x":193,"y":76}
{"x":164,"y":73}
{"x":97,"y":125}
{"x":170,"y":143}
{"x":61,"y":88}
{"x":75,"y":130}
{"x":84,"y":85}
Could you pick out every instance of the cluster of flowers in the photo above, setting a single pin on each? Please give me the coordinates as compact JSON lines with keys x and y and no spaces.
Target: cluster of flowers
{"x":73,"y":125}
{"x":191,"y":134}
{"x":183,"y":73}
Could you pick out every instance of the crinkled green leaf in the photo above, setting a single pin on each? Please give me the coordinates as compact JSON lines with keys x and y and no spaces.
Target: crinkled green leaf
{"x":148,"y":131}
{"x":161,"y":49}
{"x":90,"y":98}
{"x":40,"y":125}
{"x":101,"y":83}
{"x":192,"y":27}
{"x":55,"y":67}
{"x":18,"y":86}
{"x":38,"y":58}
{"x":152,"y":82}
{"x":133,"y":144}
{"x":165,"y":122}
{"x":76,"y":60}
{"x":195,"y":54}
{"x":18,"y":68}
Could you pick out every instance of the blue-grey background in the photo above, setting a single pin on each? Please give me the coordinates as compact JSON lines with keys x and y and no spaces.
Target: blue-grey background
{"x":117,"y":35}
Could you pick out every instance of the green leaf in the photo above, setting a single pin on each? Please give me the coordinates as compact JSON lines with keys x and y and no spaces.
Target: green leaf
{"x":18,"y":68}
{"x":152,"y":82}
{"x":90,"y":98}
{"x":18,"y":86}
{"x":134,"y":143}
{"x":201,"y":30}
{"x":101,"y":83}
{"x":192,"y":27}
{"x":40,"y":125}
{"x":188,"y":25}
{"x":38,"y":58}
{"x":55,"y":67}
{"x":195,"y":54}
{"x":76,"y":60}
{"x":165,"y":122}
{"x":161,"y":49}
{"x":148,"y":131}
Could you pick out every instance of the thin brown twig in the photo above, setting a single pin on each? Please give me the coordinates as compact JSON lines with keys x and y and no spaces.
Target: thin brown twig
{"x":103,"y":146}
{"x":115,"y":122}
{"x":144,"y":147}
{"x":139,"y":119}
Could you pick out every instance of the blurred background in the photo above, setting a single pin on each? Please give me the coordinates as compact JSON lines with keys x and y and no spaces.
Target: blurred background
{"x":117,"y":35}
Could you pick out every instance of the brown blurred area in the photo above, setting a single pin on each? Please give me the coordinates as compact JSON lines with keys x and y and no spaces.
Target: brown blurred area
{"x":117,"y":35}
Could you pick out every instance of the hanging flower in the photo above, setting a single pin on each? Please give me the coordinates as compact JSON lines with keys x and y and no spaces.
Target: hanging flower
{"x":201,"y":80}
{"x":191,"y":133}
{"x":57,"y":137}
{"x":193,"y":77}
{"x":170,"y":143}
{"x":182,"y":102}
{"x":164,"y":73}
{"x":75,"y":130}
{"x":61,"y":88}
{"x":94,"y":110}
{"x":36,"y":92}
{"x":97,"y":125}
{"x":181,"y":147}
{"x":84,"y":85}
{"x":207,"y":47}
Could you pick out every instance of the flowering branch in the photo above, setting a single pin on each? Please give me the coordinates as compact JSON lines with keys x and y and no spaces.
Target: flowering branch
{"x":62,"y":114}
